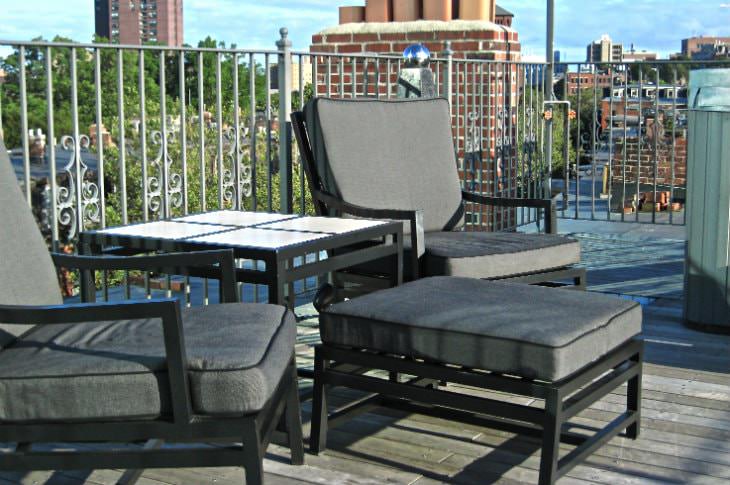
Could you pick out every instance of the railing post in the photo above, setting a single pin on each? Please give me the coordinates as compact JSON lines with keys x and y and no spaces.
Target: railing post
{"x":285,"y":147}
{"x":549,"y":70}
{"x":448,"y":78}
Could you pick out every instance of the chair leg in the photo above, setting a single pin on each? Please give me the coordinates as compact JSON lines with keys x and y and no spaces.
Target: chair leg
{"x":633,"y":398}
{"x":253,"y":456}
{"x":580,"y":280}
{"x":318,"y":434}
{"x":550,"y":439}
{"x":294,"y":420}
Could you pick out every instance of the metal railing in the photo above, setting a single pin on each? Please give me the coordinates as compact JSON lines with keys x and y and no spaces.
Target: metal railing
{"x":104,"y":135}
{"x":627,"y":150}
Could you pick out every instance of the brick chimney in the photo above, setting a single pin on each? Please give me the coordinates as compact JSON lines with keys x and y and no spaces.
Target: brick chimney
{"x":406,"y":10}
{"x":378,"y":11}
{"x":352,"y":15}
{"x":411,"y":10}
{"x":473,"y":34}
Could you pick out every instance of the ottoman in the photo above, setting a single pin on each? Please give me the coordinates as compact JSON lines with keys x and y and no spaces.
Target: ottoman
{"x":567,"y":348}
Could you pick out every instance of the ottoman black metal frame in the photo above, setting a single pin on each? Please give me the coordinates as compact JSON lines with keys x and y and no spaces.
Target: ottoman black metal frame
{"x":413,"y":385}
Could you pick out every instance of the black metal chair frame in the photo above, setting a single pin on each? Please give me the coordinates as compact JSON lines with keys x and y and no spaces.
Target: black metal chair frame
{"x":327,"y":204}
{"x":339,"y":366}
{"x":253,"y":431}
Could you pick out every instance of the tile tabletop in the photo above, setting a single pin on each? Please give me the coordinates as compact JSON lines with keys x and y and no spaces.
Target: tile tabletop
{"x":245,"y":229}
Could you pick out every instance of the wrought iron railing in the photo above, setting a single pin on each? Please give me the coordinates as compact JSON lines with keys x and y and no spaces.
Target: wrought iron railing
{"x":104,"y":134}
{"x":627,"y":149}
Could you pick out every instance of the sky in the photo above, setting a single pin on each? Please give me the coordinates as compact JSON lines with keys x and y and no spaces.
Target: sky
{"x":655,"y":25}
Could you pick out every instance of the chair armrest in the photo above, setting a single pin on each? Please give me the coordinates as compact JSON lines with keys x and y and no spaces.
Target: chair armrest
{"x":174,"y":263}
{"x":549,"y":205}
{"x":415,"y":217}
{"x":167,"y":310}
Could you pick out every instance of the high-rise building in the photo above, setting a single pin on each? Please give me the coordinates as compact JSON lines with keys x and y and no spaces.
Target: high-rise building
{"x":559,"y":68}
{"x":604,"y":50}
{"x":139,"y":21}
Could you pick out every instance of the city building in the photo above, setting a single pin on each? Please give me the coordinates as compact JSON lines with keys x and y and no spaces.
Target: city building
{"x":714,"y":51}
{"x":633,"y":55}
{"x":559,"y":69}
{"x":299,"y":72}
{"x":503,"y":17}
{"x":139,"y":21}
{"x":604,"y":50}
{"x":627,"y":105}
{"x":694,"y":45}
{"x":593,"y":80}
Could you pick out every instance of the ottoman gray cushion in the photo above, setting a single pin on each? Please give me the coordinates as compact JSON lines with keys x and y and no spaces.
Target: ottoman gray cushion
{"x":236,"y":354}
{"x":529,"y":331}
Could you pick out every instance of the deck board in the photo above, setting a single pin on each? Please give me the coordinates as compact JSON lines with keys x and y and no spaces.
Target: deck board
{"x":686,"y":412}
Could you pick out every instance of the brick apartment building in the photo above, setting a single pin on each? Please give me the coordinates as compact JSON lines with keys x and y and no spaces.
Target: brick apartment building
{"x":503,"y":17}
{"x":695,"y":45}
{"x":628,"y":103}
{"x":592,"y":80}
{"x":472,"y":29}
{"x":138,"y":21}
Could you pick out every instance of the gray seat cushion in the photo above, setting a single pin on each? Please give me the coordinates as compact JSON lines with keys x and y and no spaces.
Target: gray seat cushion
{"x":236,"y":356}
{"x":486,"y":255}
{"x":497,"y":254}
{"x":389,"y":154}
{"x":529,"y":331}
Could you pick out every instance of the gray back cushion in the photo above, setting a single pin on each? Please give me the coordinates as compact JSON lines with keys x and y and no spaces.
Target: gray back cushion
{"x":27,"y":274}
{"x":388,"y":155}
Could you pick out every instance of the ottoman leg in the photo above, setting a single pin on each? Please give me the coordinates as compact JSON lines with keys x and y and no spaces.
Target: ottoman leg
{"x":253,"y":456}
{"x":550,"y":439}
{"x":318,"y":434}
{"x":293,"y":420}
{"x":633,"y":397}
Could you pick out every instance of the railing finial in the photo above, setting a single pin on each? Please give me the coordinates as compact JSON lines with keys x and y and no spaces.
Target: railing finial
{"x":448,"y":52}
{"x":284,"y":41}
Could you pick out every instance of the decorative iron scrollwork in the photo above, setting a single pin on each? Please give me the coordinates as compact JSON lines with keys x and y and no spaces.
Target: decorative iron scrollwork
{"x":231,"y":144}
{"x":75,"y":172}
{"x":155,"y":183}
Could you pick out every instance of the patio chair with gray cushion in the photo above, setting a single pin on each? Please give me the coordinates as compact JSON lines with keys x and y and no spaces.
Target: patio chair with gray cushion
{"x":395,"y":159}
{"x":125,"y":372}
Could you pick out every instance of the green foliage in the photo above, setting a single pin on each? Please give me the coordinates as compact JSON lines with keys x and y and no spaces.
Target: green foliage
{"x":557,"y":125}
{"x":36,"y":80}
{"x":202,"y":167}
{"x":647,"y":72}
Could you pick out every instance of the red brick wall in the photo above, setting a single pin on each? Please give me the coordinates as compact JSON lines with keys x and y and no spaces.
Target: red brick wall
{"x":640,"y":163}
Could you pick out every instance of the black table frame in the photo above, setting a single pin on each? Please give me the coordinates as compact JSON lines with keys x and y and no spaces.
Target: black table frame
{"x":383,"y":241}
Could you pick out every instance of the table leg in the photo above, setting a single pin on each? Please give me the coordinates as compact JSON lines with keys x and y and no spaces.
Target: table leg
{"x":292,"y":297}
{"x":86,"y":283}
{"x":276,"y":286}
{"x":399,"y":259}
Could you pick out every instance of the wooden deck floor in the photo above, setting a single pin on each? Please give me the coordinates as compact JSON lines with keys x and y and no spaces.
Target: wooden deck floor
{"x":685,"y":434}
